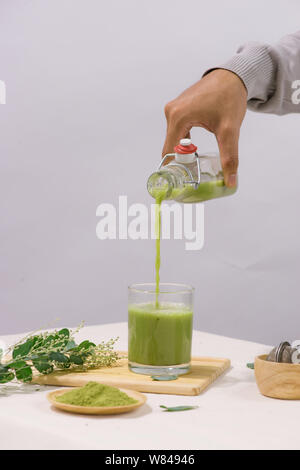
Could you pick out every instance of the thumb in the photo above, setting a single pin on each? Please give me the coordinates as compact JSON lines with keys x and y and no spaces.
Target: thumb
{"x":228,"y":142}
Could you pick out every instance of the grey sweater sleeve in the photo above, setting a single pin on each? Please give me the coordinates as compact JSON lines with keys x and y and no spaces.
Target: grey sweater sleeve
{"x":271,"y":74}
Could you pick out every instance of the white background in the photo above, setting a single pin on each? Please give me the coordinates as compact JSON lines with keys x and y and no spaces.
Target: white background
{"x":86,"y":85}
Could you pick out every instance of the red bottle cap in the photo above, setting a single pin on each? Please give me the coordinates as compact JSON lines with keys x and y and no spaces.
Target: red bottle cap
{"x":185,"y":146}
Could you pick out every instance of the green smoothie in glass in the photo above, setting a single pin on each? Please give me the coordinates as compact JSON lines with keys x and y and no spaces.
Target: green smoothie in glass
{"x":160,"y":326}
{"x":160,"y":336}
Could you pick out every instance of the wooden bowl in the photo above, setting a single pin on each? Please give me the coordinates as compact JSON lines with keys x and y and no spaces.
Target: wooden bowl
{"x":96,"y":410}
{"x":277,"y":379}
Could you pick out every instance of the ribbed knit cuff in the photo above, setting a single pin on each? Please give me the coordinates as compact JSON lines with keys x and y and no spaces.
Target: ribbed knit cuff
{"x":254,"y":65}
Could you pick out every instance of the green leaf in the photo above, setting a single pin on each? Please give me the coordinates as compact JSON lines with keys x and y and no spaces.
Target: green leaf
{"x":23,"y":371}
{"x":164,"y":377}
{"x":58,"y":357}
{"x":15,"y":364}
{"x":25,"y":375}
{"x":250,"y":365}
{"x":86,"y":345}
{"x":23,"y":349}
{"x":43,"y":366}
{"x":76,"y":359}
{"x":31,"y":357}
{"x":5,"y":375}
{"x":178,"y":408}
{"x":38,"y":341}
{"x":48,"y":339}
{"x":64,"y":332}
{"x":60,"y":339}
{"x":70,"y":345}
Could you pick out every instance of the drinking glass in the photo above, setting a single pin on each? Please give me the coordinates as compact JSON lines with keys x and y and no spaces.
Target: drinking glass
{"x":160,"y":328}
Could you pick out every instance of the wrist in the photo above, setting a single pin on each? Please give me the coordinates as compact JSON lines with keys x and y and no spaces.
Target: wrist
{"x":253,"y":66}
{"x":227,"y":76}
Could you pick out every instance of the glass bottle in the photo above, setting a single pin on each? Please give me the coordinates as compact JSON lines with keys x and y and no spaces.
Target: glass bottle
{"x":189,"y":177}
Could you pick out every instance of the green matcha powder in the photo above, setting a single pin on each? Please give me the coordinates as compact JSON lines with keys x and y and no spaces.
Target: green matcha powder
{"x":95,"y":394}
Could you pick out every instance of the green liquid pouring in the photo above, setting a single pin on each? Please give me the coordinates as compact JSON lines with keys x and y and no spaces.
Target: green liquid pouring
{"x":159,"y":197}
{"x":157,"y":236}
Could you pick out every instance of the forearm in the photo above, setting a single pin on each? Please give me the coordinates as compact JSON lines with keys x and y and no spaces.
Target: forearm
{"x":270,"y":74}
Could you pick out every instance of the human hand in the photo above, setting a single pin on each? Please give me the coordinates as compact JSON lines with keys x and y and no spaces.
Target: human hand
{"x":217,"y":103}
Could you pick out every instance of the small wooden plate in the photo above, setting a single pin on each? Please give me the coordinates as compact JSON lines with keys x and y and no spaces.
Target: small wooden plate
{"x":97,"y":410}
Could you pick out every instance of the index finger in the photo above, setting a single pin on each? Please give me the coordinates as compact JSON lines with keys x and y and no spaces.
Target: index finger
{"x":176,"y":130}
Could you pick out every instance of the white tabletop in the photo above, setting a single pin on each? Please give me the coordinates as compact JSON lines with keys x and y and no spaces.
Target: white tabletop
{"x":231,"y":414}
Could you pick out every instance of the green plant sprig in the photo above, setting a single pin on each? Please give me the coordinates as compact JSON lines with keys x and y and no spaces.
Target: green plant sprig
{"x":178,"y":408}
{"x":46,"y":352}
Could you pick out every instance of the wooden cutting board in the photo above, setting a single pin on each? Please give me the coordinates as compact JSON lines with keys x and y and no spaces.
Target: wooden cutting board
{"x":204,"y":371}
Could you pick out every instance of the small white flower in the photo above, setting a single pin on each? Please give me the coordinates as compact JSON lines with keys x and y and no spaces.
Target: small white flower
{"x":3,"y":349}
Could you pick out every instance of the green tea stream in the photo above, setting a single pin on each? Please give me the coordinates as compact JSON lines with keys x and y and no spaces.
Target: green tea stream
{"x":158,"y":202}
